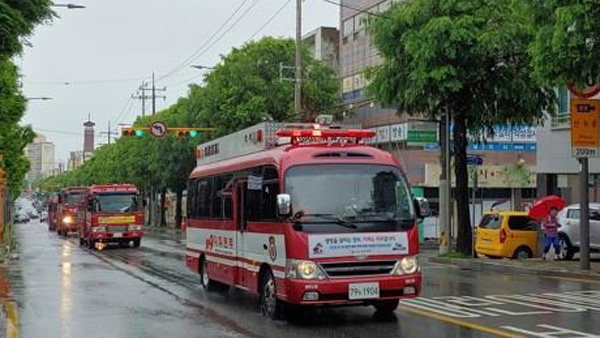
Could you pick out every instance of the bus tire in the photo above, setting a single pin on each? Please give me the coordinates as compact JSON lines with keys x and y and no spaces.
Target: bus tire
{"x":207,"y":283}
{"x":270,"y":305}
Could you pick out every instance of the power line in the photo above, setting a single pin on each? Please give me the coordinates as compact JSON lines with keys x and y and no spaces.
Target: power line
{"x":185,"y":81}
{"x":339,"y":4}
{"x":199,"y":49}
{"x":270,"y":20}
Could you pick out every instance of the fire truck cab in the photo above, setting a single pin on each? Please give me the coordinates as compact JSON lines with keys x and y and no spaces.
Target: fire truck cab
{"x":52,"y":208}
{"x":113,"y":214}
{"x":303,"y":216}
{"x":69,"y":210}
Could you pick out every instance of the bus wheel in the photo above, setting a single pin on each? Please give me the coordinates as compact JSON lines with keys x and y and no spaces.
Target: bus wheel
{"x":208,"y":284}
{"x":386,"y":307}
{"x":271,"y":306}
{"x":137,"y":242}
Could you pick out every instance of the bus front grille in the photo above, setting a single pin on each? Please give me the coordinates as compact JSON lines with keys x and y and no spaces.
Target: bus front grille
{"x":352,"y":269}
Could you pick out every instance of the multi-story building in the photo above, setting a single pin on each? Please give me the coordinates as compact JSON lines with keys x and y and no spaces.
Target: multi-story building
{"x":558,"y":170}
{"x":41,"y":156}
{"x":324,"y":44}
{"x":508,"y":171}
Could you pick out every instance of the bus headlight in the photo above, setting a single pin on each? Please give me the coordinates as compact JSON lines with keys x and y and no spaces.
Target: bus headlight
{"x":303,"y":270}
{"x":68,"y":220}
{"x":134,"y":227}
{"x":407,"y":265}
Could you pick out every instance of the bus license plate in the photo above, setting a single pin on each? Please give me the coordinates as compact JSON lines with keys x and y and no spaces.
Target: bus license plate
{"x":363,"y":291}
{"x":117,"y":235}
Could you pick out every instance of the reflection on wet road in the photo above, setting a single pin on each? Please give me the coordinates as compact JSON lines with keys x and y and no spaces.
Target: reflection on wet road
{"x":63,"y":290}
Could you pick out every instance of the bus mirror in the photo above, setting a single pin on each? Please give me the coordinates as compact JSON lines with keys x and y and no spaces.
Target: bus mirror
{"x":284,"y":205}
{"x":422,"y":207}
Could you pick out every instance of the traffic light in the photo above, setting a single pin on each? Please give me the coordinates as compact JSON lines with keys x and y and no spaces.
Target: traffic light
{"x":193,"y":133}
{"x":129,"y":131}
{"x":189,"y":132}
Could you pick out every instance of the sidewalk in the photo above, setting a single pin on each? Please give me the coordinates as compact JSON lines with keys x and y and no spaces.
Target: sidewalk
{"x":536,"y":266}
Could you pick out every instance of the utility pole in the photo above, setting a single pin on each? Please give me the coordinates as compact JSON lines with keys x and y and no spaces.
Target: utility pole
{"x":142,"y":96}
{"x":584,"y":222}
{"x":298,"y":82}
{"x":108,"y":131}
{"x":154,"y":96}
{"x":444,"y":178}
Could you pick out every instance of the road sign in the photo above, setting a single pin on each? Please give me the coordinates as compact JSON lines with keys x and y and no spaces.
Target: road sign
{"x":585,"y":128}
{"x":158,"y":129}
{"x":585,"y":93}
{"x":474,"y":160}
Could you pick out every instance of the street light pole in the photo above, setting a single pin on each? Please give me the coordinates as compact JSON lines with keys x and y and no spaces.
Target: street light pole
{"x":298,"y":80}
{"x":69,"y":6}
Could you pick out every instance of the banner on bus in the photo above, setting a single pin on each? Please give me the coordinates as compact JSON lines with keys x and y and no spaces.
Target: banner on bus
{"x":359,"y":244}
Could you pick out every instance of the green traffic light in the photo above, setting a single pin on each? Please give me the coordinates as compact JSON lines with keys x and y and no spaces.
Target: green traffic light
{"x":139,"y":133}
{"x":193,"y":133}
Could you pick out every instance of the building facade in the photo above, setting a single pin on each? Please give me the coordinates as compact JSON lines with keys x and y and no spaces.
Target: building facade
{"x":324,"y":44}
{"x":509,"y":153}
{"x":558,"y":170}
{"x":41,"y":155}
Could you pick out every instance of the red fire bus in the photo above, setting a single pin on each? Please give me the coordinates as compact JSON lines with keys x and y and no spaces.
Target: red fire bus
{"x":68,"y":210}
{"x":323,"y":220}
{"x":113,"y":214}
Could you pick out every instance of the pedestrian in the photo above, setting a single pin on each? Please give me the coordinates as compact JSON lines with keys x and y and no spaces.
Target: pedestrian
{"x":550,"y":226}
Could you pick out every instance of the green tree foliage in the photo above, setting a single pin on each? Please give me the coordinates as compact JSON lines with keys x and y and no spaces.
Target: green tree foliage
{"x":17,"y":21}
{"x":246,"y":87}
{"x":566,"y":47}
{"x":465,"y":57}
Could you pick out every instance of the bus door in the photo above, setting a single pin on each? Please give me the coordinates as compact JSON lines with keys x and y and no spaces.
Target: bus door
{"x":240,"y":221}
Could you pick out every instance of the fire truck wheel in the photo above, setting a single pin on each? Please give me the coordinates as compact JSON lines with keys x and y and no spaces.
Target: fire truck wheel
{"x":81,"y":242}
{"x":137,"y":242}
{"x":91,"y":244}
{"x":386,"y":307}
{"x":271,"y":306}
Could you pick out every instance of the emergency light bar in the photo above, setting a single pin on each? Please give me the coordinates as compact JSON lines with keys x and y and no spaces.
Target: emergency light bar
{"x":295,"y":134}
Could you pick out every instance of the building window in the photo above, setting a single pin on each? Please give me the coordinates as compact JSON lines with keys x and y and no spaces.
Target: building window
{"x":563,"y":100}
{"x":348,"y":27}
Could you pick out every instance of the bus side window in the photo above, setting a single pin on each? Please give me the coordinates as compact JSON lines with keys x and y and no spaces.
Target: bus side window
{"x":204,"y":194}
{"x":222,"y":205}
{"x":261,"y":199}
{"x":191,"y":198}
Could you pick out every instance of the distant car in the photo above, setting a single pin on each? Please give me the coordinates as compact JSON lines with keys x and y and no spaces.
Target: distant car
{"x":569,"y":230}
{"x":507,"y":234}
{"x":43,"y":216}
{"x":21,"y":218}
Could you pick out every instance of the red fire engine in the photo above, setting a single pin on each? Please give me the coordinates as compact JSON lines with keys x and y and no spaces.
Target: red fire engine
{"x":303,"y":216}
{"x":52,"y":208}
{"x":113,"y":214}
{"x":68,"y":210}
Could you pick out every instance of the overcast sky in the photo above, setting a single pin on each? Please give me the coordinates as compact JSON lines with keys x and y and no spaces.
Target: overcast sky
{"x":90,"y":61}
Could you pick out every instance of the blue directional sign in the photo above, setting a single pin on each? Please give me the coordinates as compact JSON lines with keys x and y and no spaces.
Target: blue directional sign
{"x":474,"y":160}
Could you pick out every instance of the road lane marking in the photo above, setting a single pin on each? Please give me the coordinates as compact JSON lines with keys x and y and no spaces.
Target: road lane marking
{"x":554,"y":333}
{"x":579,"y":280}
{"x":458,"y":322}
{"x":12,"y":318}
{"x":469,"y":307}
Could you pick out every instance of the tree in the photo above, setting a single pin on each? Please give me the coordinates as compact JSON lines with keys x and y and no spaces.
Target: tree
{"x":467,"y":58}
{"x":566,"y":47}
{"x":246,"y":87}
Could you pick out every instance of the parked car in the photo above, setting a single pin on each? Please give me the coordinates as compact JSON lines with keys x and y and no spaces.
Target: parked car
{"x":569,"y":230}
{"x":507,"y":234}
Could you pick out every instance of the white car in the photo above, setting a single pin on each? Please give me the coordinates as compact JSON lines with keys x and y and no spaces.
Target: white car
{"x":569,"y":230}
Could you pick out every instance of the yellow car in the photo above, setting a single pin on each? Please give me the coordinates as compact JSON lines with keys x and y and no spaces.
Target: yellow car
{"x":508,"y":234}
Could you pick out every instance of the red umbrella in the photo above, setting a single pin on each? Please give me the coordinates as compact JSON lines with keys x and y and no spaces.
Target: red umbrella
{"x":541,"y":208}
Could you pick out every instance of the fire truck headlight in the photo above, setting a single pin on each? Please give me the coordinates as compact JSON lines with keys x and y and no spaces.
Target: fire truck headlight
{"x":68,"y":220}
{"x":304,"y":270}
{"x":134,"y":227}
{"x":408,"y":265}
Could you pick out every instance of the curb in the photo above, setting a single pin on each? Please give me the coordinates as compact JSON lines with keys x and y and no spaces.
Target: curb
{"x":494,"y":267}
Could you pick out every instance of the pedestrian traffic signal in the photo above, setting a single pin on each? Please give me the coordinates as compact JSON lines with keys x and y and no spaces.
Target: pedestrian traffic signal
{"x":193,"y":133}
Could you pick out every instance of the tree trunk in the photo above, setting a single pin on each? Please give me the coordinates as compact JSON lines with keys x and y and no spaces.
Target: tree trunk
{"x":178,"y":209}
{"x":163,"y":207}
{"x":464,"y":235}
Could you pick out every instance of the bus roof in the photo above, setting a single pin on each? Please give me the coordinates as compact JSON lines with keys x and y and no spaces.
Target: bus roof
{"x":287,"y":156}
{"x":73,"y":189}
{"x":105,"y":188}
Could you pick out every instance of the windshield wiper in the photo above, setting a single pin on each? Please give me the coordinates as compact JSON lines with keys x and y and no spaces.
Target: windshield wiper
{"x":331,"y":217}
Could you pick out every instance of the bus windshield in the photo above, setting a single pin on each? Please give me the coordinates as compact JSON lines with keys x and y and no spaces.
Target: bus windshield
{"x":115,"y":202}
{"x":349,"y":198}
{"x":73,"y":198}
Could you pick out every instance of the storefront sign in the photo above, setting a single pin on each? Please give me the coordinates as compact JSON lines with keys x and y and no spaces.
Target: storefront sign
{"x":360,"y":244}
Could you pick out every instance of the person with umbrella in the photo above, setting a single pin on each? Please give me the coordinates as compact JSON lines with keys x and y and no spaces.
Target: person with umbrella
{"x":545,"y":210}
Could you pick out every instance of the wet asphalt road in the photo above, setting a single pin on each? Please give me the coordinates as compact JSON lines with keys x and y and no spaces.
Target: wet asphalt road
{"x":64,"y":290}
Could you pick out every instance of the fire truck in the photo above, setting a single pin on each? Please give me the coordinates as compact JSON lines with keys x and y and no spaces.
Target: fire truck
{"x":68,"y":210}
{"x":113,"y":214}
{"x":52,"y":208}
{"x":303,"y":215}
